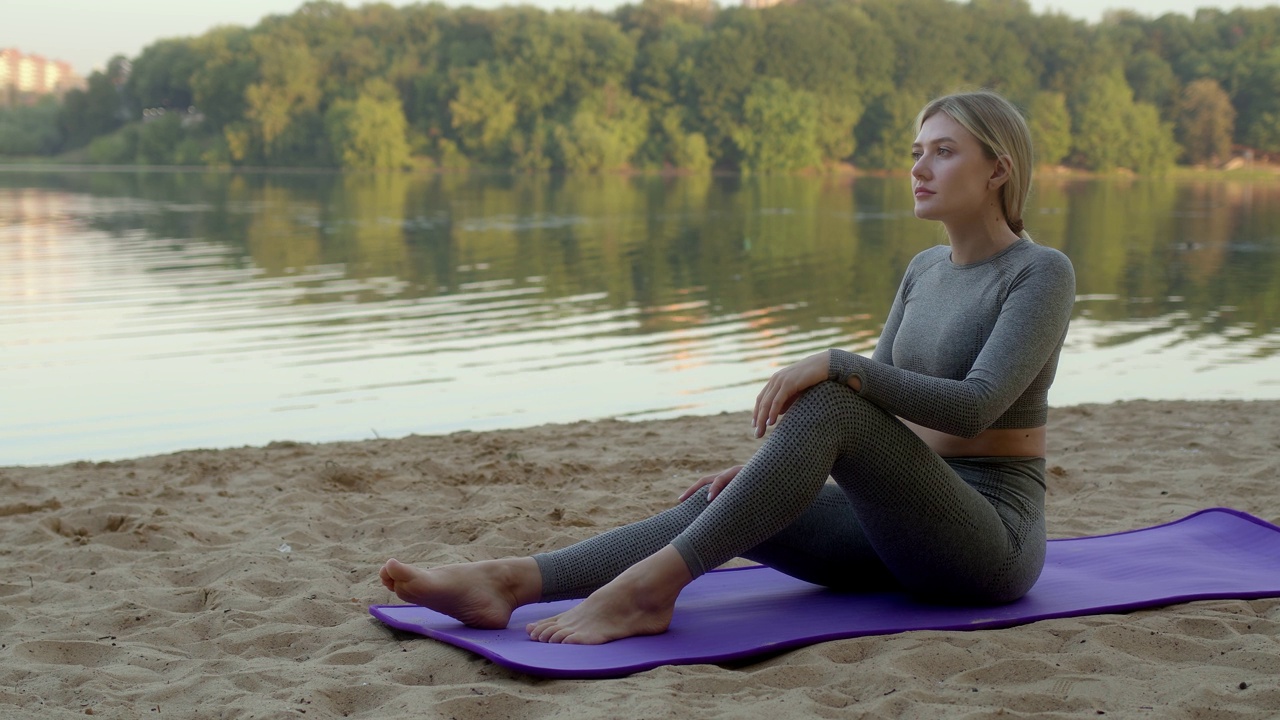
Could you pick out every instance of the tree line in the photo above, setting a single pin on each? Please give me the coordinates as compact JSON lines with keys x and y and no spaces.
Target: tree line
{"x":661,"y":85}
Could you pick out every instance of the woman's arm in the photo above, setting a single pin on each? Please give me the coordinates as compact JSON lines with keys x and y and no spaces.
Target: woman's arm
{"x":787,"y":384}
{"x":1028,"y":331}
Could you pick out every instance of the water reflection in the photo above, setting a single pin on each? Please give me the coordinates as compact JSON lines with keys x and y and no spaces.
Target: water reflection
{"x":144,"y":312}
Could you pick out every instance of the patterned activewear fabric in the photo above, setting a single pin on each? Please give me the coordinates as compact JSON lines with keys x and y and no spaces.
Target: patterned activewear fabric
{"x":970,"y":347}
{"x":978,"y":346}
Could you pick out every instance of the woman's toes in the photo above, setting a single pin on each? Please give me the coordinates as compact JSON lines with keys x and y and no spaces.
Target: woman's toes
{"x":544,"y":629}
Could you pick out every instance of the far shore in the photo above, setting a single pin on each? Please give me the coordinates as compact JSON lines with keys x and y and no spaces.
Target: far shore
{"x":1251,"y":171}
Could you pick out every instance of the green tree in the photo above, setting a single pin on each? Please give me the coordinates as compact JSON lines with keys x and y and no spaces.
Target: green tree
{"x":689,"y":152}
{"x":526,"y":88}
{"x":667,"y":34}
{"x":226,"y":69}
{"x":1112,"y":131}
{"x":604,"y":132}
{"x":369,"y":132}
{"x":1006,"y":62}
{"x":779,"y":132}
{"x":674,"y":146}
{"x":837,"y":117}
{"x":727,"y":61}
{"x":791,"y":33}
{"x":1205,"y":122}
{"x":929,"y":58}
{"x":287,"y":86}
{"x":555,"y":60}
{"x":1258,"y":103}
{"x":831,"y":77}
{"x":873,"y":50}
{"x":418,"y":70}
{"x":97,"y":110}
{"x":531,"y":150}
{"x":161,"y":76}
{"x":887,"y":130}
{"x":1070,"y":54}
{"x":158,"y":140}
{"x":337,"y":39}
{"x":1264,"y":132}
{"x":1050,"y":125}
{"x":1152,"y":80}
{"x":1098,"y":125}
{"x":484,"y":112}
{"x":117,"y":148}
{"x":1152,"y":149}
{"x":30,"y":130}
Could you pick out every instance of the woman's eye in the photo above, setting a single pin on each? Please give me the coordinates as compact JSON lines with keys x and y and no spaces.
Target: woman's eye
{"x":916,"y":154}
{"x":944,"y":151}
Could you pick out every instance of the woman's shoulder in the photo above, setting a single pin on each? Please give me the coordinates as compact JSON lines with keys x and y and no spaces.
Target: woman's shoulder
{"x":928,"y":257}
{"x":933,"y":251}
{"x":1047,"y":259}
{"x":1045,"y":271}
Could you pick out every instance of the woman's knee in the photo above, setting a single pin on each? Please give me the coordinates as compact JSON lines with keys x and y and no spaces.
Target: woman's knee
{"x":830,"y":401}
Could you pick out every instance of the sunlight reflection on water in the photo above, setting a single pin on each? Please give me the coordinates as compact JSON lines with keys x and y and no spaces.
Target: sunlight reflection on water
{"x":120,"y":340}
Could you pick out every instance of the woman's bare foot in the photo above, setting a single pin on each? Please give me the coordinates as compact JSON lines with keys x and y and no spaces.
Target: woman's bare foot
{"x":479,"y":594}
{"x":640,"y":601}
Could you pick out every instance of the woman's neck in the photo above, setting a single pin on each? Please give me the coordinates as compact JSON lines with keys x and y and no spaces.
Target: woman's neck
{"x":979,"y":239}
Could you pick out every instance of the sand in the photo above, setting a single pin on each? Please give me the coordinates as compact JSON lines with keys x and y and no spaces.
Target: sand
{"x":234,"y":583}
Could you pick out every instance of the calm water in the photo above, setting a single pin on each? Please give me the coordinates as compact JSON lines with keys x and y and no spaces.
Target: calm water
{"x":144,"y":313}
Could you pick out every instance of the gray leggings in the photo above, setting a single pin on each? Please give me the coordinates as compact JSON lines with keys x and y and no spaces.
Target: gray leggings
{"x":960,"y":530}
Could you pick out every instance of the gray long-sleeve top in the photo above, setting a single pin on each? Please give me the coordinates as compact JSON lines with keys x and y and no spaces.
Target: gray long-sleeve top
{"x":970,"y":347}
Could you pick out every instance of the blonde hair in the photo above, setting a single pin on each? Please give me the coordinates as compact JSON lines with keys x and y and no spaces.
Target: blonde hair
{"x":1001,"y":130}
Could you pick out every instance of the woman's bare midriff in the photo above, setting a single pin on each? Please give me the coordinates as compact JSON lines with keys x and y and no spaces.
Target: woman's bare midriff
{"x":1007,"y":442}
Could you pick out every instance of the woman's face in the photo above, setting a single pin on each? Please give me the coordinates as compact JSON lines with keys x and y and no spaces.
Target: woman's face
{"x":952,"y":176}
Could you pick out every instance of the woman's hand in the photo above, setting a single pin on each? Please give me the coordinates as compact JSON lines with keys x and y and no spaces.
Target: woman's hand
{"x":717,"y":482}
{"x":785,"y":385}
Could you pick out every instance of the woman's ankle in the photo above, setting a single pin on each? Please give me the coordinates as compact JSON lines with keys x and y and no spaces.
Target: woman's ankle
{"x":524,"y":579}
{"x":659,"y":577}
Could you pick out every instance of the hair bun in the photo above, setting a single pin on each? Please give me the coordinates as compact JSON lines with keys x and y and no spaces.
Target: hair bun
{"x":1016,"y":226}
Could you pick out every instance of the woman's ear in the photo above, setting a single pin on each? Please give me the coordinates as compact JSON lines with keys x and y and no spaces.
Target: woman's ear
{"x":1001,"y":173}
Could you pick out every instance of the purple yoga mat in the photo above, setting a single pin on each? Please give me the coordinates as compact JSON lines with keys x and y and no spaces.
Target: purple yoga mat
{"x":741,"y":613}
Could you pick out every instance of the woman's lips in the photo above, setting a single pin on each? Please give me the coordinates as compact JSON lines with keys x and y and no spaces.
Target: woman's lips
{"x":923,"y":192}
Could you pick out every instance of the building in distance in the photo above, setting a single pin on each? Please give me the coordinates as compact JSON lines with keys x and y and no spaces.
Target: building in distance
{"x":25,"y":78}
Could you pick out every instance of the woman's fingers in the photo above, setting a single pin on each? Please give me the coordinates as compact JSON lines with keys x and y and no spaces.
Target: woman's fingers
{"x":783,"y":388}
{"x":777,"y":401}
{"x":720,"y":484}
{"x":702,"y":481}
{"x":722,"y":481}
{"x":756,"y":412}
{"x":764,"y":414}
{"x":688,"y":493}
{"x":717,"y":482}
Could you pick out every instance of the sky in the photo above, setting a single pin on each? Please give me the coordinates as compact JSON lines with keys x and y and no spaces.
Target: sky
{"x":87,"y":33}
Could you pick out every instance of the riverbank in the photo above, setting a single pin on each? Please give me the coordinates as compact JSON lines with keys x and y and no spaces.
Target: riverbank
{"x":233,"y":583}
{"x":1237,"y":170}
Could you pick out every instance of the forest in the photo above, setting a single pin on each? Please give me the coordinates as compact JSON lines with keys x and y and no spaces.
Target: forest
{"x":805,"y":86}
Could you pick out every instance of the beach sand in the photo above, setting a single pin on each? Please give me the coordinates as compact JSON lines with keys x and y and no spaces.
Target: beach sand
{"x":234,"y":583}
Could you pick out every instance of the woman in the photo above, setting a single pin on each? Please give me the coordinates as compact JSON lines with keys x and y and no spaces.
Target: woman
{"x":936,"y":443}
